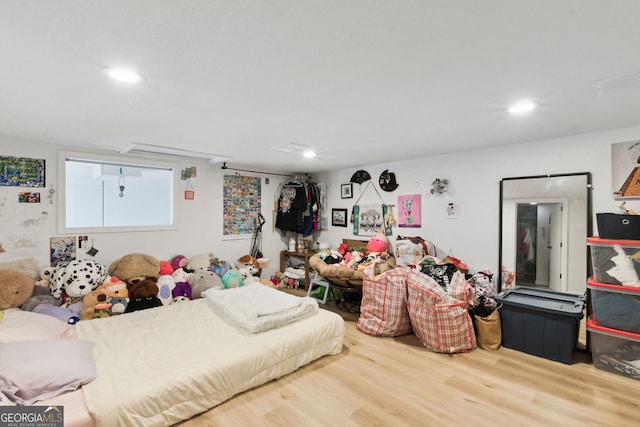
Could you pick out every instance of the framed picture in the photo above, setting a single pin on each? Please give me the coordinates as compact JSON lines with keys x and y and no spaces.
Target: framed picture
{"x":339,"y":217}
{"x":346,"y":191}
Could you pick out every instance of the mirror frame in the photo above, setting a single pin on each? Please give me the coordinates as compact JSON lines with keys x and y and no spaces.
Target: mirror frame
{"x":589,"y":231}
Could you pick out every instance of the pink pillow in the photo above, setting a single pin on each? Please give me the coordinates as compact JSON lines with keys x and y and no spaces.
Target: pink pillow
{"x":18,"y":325}
{"x":36,"y":370}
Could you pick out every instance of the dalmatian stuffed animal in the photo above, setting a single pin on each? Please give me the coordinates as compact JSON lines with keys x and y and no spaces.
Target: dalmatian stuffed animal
{"x":76,"y":279}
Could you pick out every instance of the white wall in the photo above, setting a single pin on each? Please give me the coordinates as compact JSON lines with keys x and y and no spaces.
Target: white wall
{"x":474,"y":178}
{"x":199,"y":221}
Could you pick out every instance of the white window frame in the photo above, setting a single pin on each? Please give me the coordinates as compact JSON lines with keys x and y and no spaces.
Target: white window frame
{"x":63,"y":155}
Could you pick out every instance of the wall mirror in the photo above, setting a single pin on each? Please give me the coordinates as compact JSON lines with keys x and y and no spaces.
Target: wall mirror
{"x":544,"y":224}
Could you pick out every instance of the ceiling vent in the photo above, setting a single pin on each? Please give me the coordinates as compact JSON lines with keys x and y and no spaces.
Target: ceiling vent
{"x":618,"y":83}
{"x":290,"y":148}
{"x":172,"y":152}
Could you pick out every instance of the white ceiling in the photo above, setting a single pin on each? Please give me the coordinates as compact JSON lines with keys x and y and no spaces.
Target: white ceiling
{"x":359,"y":81}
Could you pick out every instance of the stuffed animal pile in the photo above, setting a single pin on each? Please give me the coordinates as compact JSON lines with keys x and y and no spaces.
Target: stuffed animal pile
{"x":84,"y":289}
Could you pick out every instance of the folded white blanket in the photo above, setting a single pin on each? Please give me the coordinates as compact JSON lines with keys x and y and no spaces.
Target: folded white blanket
{"x":258,"y":308}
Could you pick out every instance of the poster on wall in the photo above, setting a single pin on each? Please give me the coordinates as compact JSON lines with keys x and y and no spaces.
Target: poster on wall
{"x":409,"y":214}
{"x":242,"y":202}
{"x":22,"y":172}
{"x":63,"y":250}
{"x":625,"y":169}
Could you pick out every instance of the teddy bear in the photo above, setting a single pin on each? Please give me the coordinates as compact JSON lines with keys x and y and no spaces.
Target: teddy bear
{"x":76,"y":279}
{"x":45,"y":276}
{"x":178,"y":261}
{"x":253,"y":264}
{"x":70,"y":314}
{"x":118,"y":305}
{"x":247,"y":277}
{"x":377,"y":243}
{"x":95,"y":305}
{"x":219,"y":267}
{"x":166,"y":283}
{"x":181,"y":275}
{"x":39,"y":296}
{"x":199,"y":262}
{"x":114,"y":287}
{"x":16,"y":288}
{"x":203,"y":280}
{"x":232,"y":279}
{"x":117,"y":294}
{"x":143,"y":295}
{"x":165,"y":268}
{"x":133,"y":268}
{"x":182,"y":292}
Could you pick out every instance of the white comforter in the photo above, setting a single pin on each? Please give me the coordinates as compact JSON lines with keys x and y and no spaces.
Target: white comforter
{"x":166,"y":364}
{"x":258,"y":308}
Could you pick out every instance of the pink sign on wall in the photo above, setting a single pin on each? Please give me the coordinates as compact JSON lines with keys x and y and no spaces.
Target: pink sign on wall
{"x":409,"y":211}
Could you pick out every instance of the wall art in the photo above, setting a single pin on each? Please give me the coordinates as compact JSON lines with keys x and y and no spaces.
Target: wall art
{"x":409,"y":214}
{"x":339,"y":217}
{"x":625,"y":169}
{"x":22,"y":172}
{"x":242,"y":197}
{"x":346,"y":191}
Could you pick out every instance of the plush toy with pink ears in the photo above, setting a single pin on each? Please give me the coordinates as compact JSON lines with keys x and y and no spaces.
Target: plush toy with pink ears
{"x":378,"y":243}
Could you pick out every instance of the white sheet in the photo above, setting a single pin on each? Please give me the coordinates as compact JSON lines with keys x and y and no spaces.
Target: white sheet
{"x":258,"y":308}
{"x":166,"y":364}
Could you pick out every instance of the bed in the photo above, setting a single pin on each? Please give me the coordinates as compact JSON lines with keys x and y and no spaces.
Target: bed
{"x":163,"y":365}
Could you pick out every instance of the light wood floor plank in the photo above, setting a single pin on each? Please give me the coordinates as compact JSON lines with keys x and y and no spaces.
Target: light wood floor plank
{"x":397,"y":382}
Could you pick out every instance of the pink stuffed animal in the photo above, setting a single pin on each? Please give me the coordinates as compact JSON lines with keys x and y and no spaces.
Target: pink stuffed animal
{"x":378,"y":243}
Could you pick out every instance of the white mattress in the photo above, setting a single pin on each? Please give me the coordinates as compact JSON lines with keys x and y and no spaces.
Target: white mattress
{"x":163,"y":365}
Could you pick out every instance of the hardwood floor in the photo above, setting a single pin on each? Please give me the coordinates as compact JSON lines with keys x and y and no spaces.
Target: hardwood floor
{"x":397,"y":382}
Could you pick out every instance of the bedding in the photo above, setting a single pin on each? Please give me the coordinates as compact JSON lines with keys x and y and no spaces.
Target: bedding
{"x":257,"y":308}
{"x":163,"y":365}
{"x":34,"y":370}
{"x":18,"y":325}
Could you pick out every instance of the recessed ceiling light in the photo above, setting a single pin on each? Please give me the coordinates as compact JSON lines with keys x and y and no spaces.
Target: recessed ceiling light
{"x":124,"y":75}
{"x":522,"y":107}
{"x":309,"y":154}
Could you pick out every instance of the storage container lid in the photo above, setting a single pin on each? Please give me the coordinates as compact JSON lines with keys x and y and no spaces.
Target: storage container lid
{"x":592,"y":284}
{"x":597,"y":241}
{"x":541,"y":300}
{"x":592,"y":325}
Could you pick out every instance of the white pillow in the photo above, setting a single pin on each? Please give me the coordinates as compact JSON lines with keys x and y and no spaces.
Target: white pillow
{"x":35,"y":370}
{"x":18,"y":325}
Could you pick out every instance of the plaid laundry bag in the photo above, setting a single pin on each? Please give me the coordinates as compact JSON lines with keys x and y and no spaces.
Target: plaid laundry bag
{"x":440,"y":321}
{"x":383,"y":311}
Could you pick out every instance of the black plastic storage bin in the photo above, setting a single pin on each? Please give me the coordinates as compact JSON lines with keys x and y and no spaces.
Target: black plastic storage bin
{"x":542,"y":323}
{"x":618,"y":226}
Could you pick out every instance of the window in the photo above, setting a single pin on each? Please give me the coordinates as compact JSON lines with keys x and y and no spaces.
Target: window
{"x":102,"y":194}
